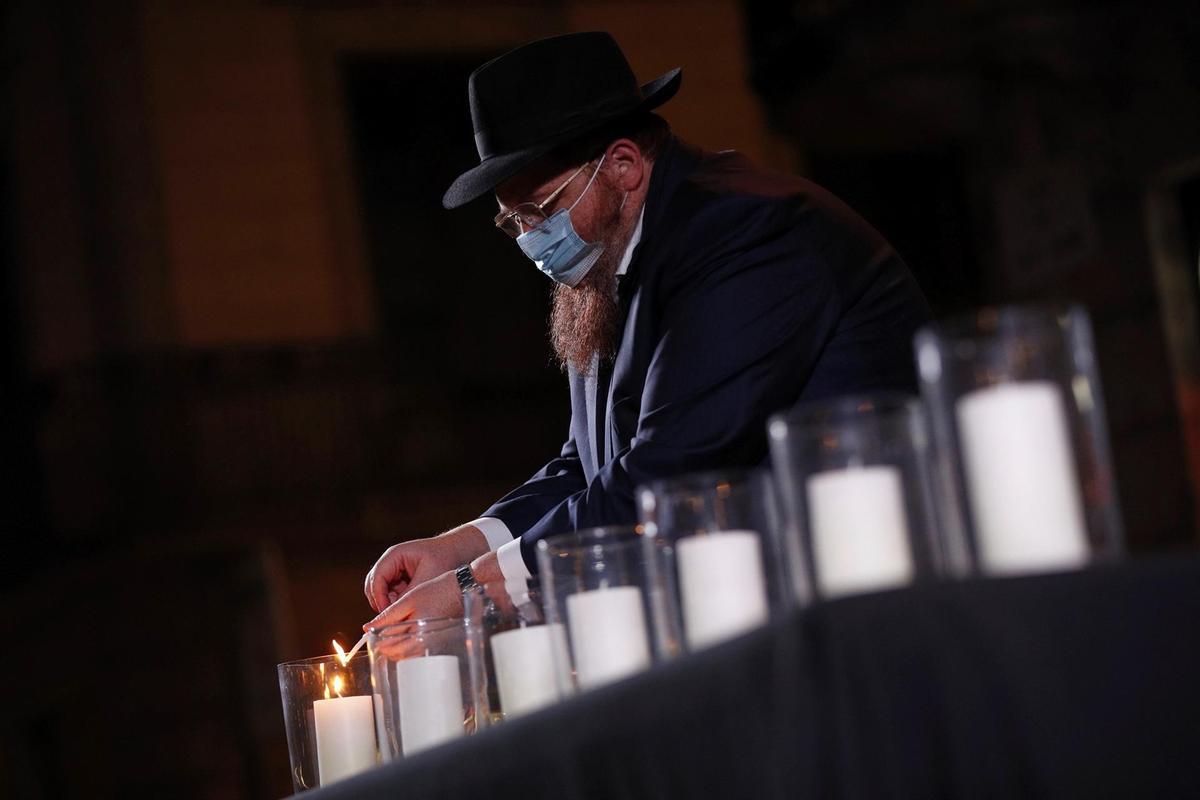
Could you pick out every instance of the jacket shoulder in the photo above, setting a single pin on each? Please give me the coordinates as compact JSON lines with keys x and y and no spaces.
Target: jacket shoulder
{"x":724,"y":207}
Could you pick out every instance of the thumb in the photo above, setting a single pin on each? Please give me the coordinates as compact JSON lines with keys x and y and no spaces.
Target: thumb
{"x":398,"y":611}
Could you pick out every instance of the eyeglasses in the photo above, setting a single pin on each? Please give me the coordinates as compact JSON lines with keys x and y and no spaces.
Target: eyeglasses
{"x":524,"y":216}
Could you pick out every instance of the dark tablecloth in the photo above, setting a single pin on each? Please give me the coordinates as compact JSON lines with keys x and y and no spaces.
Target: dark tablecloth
{"x":1074,"y":685}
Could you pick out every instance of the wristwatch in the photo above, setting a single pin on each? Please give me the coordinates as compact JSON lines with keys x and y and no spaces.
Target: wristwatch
{"x":466,"y":579}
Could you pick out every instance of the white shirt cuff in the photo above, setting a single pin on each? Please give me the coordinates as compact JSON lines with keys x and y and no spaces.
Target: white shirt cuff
{"x":494,"y":530}
{"x":512,"y":565}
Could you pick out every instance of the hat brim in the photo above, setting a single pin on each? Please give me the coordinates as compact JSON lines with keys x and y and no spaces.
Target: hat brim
{"x":491,"y":172}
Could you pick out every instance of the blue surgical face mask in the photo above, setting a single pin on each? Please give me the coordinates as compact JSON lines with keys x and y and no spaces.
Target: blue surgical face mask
{"x":556,"y":248}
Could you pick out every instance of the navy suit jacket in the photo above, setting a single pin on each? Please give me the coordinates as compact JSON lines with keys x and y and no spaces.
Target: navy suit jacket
{"x":750,"y":291}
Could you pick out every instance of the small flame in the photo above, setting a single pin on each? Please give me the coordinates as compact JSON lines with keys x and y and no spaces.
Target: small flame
{"x":341,"y":654}
{"x":335,"y":686}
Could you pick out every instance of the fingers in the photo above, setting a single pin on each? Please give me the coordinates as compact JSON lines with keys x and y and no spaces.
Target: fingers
{"x":400,"y":642}
{"x":387,"y":580}
{"x":376,"y":589}
{"x":369,"y":590}
{"x":383,"y":593}
{"x":369,"y":583}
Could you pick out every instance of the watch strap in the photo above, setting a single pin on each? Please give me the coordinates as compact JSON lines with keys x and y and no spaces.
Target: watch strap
{"x":466,"y":579}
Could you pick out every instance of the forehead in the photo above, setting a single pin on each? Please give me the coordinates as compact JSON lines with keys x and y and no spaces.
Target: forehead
{"x":532,"y":184}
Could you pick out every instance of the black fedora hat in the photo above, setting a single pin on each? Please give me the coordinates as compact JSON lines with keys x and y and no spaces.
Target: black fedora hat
{"x":545,"y":94}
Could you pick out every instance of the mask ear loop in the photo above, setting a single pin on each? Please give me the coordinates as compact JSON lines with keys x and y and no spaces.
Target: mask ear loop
{"x":589,"y":184}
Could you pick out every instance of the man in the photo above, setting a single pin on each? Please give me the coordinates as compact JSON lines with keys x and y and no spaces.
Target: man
{"x":695,"y":296}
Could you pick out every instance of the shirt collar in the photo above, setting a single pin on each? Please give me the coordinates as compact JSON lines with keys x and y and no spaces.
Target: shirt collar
{"x":627,"y":256}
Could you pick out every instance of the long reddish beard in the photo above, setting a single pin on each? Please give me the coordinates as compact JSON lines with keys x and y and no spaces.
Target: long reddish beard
{"x":584,"y":319}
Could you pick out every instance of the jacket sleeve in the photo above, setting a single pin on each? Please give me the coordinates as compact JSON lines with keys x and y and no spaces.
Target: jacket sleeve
{"x":547,"y":488}
{"x":744,"y":319}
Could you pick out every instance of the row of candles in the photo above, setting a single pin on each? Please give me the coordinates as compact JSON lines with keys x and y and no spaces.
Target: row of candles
{"x":1000,"y":468}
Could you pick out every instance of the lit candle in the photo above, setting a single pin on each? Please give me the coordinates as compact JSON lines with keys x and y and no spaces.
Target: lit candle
{"x":859,"y":530}
{"x":1024,"y":493}
{"x":345,"y":733}
{"x":608,"y":634}
{"x":722,"y":585}
{"x":529,"y":671}
{"x":429,"y":692}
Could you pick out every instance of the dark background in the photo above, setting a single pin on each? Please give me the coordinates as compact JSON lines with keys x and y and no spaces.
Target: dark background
{"x":244,"y":349}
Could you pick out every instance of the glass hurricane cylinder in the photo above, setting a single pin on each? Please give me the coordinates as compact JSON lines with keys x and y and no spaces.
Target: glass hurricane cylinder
{"x":429,"y":676}
{"x":525,"y":658}
{"x":329,"y":715}
{"x":853,"y":474}
{"x":714,"y":540}
{"x":1018,"y":418}
{"x":599,"y":585}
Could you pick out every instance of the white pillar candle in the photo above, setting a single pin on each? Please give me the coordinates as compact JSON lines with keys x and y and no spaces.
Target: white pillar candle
{"x":859,"y":530}
{"x":1024,"y":493}
{"x":429,"y":692}
{"x":529,"y":671}
{"x":345,"y":732}
{"x":722,"y":585}
{"x":608,"y":634}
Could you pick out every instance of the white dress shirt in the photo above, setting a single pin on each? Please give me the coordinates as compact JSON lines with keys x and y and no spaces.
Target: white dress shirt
{"x":499,"y":537}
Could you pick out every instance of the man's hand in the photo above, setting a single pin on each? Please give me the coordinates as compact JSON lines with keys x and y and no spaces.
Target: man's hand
{"x":439,"y":597}
{"x":410,"y":564}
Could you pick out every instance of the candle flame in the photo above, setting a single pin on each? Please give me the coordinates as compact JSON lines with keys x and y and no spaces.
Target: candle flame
{"x":335,"y":686}
{"x":341,"y":654}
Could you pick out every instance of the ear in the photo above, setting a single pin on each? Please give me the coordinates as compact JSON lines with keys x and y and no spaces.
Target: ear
{"x":626,"y":167}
